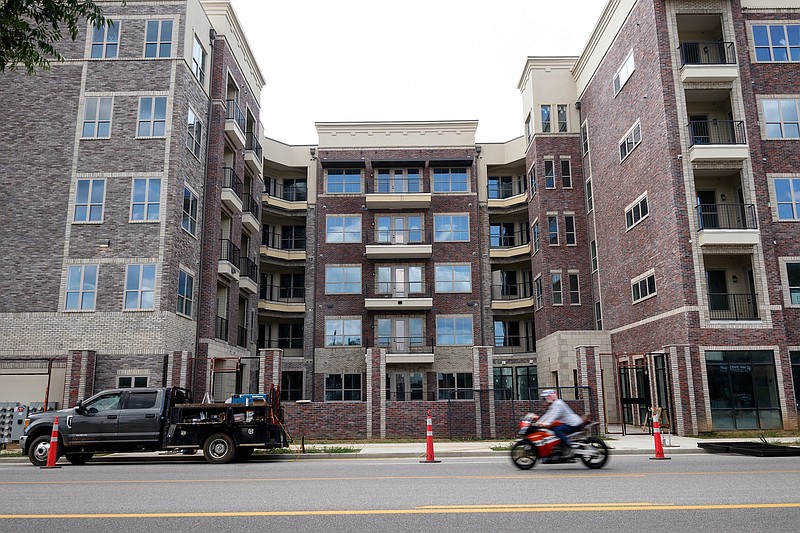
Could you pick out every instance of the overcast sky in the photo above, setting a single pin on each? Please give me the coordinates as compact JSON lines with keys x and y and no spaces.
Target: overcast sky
{"x":358,"y":60}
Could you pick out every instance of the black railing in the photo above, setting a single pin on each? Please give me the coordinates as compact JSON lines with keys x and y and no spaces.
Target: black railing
{"x":251,"y":205}
{"x":509,"y":240}
{"x":231,"y":180}
{"x":394,"y":289}
{"x":234,"y":112}
{"x":707,"y":53}
{"x":393,"y":185}
{"x":229,"y":252}
{"x":221,"y":328}
{"x":514,"y":344}
{"x":248,"y":268}
{"x":241,"y":336}
{"x":716,"y":132}
{"x":727,"y":216}
{"x":511,"y":291}
{"x":399,"y":236}
{"x":411,"y":344}
{"x":503,"y":190}
{"x":727,"y":306}
{"x":288,"y":242}
{"x":296,"y":192}
{"x":252,"y":144}
{"x":276,"y":293}
{"x":284,"y":343}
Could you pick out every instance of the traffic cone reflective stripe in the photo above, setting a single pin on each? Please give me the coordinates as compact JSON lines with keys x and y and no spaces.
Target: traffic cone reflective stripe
{"x":657,"y":435}
{"x":52,"y":453}
{"x":429,"y":438}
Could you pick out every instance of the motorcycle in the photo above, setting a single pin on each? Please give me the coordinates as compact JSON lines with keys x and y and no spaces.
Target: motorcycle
{"x":539,"y":442}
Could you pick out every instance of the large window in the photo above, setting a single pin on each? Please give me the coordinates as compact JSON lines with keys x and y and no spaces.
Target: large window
{"x":158,"y":38}
{"x":152,"y":116}
{"x":97,"y":118}
{"x":787,"y":196}
{"x":89,"y":199}
{"x":624,"y":72}
{"x":400,"y":280}
{"x":194,"y":134}
{"x":527,"y":383}
{"x":185,"y":293}
{"x":290,"y":336}
{"x":398,"y":180}
{"x":81,"y":287}
{"x":450,"y":180}
{"x":105,"y":41}
{"x":506,"y":334}
{"x":342,"y":332}
{"x":451,"y":228}
{"x":343,"y":229}
{"x":793,"y":280}
{"x":546,"y":119}
{"x":782,"y":118}
{"x":569,"y":229}
{"x":549,"y":174}
{"x":342,"y":280}
{"x":743,"y":390}
{"x":189,"y":219}
{"x":643,"y":287}
{"x":574,"y":290}
{"x":454,"y":331}
{"x":343,"y":181}
{"x":566,"y":174}
{"x":518,"y":383}
{"x":777,"y":42}
{"x":631,"y":140}
{"x":555,"y":282}
{"x":453,"y":278}
{"x":455,"y":385}
{"x":198,"y":61}
{"x":342,"y":387}
{"x":145,"y":199}
{"x":398,"y":229}
{"x":552,"y":230}
{"x":140,"y":287}
{"x":636,"y":212}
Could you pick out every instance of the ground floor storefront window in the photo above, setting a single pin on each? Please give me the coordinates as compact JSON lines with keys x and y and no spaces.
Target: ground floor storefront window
{"x":743,"y":390}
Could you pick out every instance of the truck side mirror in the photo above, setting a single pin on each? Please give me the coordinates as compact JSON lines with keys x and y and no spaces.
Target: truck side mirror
{"x":79,"y":407}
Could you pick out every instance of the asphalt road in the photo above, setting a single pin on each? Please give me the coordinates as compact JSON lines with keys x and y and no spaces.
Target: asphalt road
{"x":705,"y":492}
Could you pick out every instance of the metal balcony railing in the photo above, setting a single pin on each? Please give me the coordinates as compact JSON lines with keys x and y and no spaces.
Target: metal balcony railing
{"x":277,"y":293}
{"x":514,"y":344}
{"x":221,"y":328}
{"x":393,"y":289}
{"x":295,"y":192}
{"x":399,"y":236}
{"x":241,"y":336}
{"x":251,"y":205}
{"x":285,"y":343}
{"x":248,"y":268}
{"x":707,"y":53}
{"x":728,"y":306}
{"x":284,"y":241}
{"x":252,"y":144}
{"x":511,"y":291}
{"x":716,"y":132}
{"x":508,"y":240}
{"x":234,"y":112}
{"x":229,"y":252}
{"x":727,"y":216}
{"x":396,"y":185}
{"x":231,"y":180}
{"x":504,"y":189}
{"x":411,"y":344}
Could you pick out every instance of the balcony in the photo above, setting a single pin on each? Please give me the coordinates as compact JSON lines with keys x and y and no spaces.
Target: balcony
{"x":504,"y":193}
{"x":409,"y":350}
{"x":228,"y":264}
{"x":400,"y":296}
{"x":251,"y":213}
{"x":394,"y":192}
{"x":235,"y":124}
{"x":727,"y":224}
{"x":282,"y":299}
{"x":253,"y":157}
{"x":399,"y":244}
{"x":715,"y":140}
{"x":733,"y":307}
{"x":514,"y":344}
{"x":221,"y":328}
{"x":703,"y":62}
{"x":508,"y":244}
{"x":248,"y":275}
{"x":509,"y":297}
{"x":232,"y":187}
{"x":290,"y":198}
{"x":291,"y":346}
{"x":285,"y":246}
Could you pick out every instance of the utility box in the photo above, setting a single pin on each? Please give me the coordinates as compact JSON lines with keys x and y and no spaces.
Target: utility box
{"x":6,"y":421}
{"x":18,"y":422}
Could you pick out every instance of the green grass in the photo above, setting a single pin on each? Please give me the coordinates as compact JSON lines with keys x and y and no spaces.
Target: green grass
{"x":767,"y":434}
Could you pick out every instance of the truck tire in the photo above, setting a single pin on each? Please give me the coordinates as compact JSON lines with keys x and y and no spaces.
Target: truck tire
{"x":78,"y":458}
{"x":219,"y":448}
{"x":39,"y":449}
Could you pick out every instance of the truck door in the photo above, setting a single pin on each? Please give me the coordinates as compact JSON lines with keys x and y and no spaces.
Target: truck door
{"x":98,"y":423}
{"x":140,"y":417}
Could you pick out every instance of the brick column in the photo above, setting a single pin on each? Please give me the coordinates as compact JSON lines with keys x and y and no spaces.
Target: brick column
{"x":376,"y":391}
{"x":177,"y":369}
{"x":482,"y":380}
{"x":79,"y":383}
{"x":270,"y":361}
{"x":589,"y":375}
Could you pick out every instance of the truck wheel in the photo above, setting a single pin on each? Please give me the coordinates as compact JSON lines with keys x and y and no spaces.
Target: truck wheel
{"x":219,"y":448}
{"x":78,"y":458}
{"x":38,"y":450}
{"x":244,"y":454}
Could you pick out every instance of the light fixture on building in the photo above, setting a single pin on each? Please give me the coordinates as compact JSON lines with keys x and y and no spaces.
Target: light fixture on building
{"x":734,"y":279}
{"x":104,"y":243}
{"x":722,"y":197}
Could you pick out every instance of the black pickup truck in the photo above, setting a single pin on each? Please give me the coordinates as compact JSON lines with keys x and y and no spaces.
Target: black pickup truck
{"x":153,"y":419}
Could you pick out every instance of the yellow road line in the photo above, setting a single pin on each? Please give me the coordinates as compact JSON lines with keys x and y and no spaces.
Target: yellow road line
{"x":545,"y":508}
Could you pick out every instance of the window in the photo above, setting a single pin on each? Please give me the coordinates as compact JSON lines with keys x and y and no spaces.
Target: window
{"x":782,"y":118}
{"x":532,"y":178}
{"x":527,"y":382}
{"x":158,"y":38}
{"x":450,"y":180}
{"x":793,"y":278}
{"x":81,"y":287}
{"x":584,"y":138}
{"x":506,"y":334}
{"x":141,"y":400}
{"x":569,"y":229}
{"x":455,"y":385}
{"x":342,"y":387}
{"x":623,"y":73}
{"x":140,"y":286}
{"x":453,"y":278}
{"x":503,"y":378}
{"x":398,"y":229}
{"x":566,"y":174}
{"x":528,"y":129}
{"x":189,"y":220}
{"x":777,"y":42}
{"x":535,"y":230}
{"x":598,"y":316}
{"x":185,"y":293}
{"x":290,"y":336}
{"x":589,"y":196}
{"x":342,"y":332}
{"x":787,"y":195}
{"x":97,"y":118}
{"x":399,"y":334}
{"x":152,"y":116}
{"x":399,"y":280}
{"x":342,"y":280}
{"x":552,"y":230}
{"x":454,"y":331}
{"x":643,"y":287}
{"x":343,"y":229}
{"x":199,"y":61}
{"x":537,"y":292}
{"x":549,"y":174}
{"x":89,"y":199}
{"x":593,"y":247}
{"x":500,"y":187}
{"x":632,"y":139}
{"x":562,"y":118}
{"x":546,"y":120}
{"x":145,"y":199}
{"x":636,"y":212}
{"x":344,"y":181}
{"x":503,"y":235}
{"x":128,"y":382}
{"x":574,"y":290}
{"x":451,"y":228}
{"x":398,"y":180}
{"x":195,"y":134}
{"x":105,"y":41}
{"x":555,"y":281}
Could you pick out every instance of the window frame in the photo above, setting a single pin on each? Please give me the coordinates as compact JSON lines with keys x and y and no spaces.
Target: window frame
{"x":354,"y":390}
{"x":147,"y":204}
{"x":133,"y":381}
{"x":199,"y":70}
{"x":194,"y":134}
{"x":593,"y":254}
{"x":189,"y":218}
{"x":159,"y":43}
{"x":769,"y":122}
{"x":791,"y":293}
{"x":585,"y":138}
{"x":461,"y":389}
{"x":550,"y":174}
{"x":563,"y":125}
{"x":343,"y":181}
{"x":589,"y":196}
{"x":552,"y":235}
{"x":557,"y":288}
{"x":574,"y":287}
{"x":185,"y":301}
{"x":443,"y":338}
{"x":344,"y":322}
{"x":546,"y":110}
{"x":85,"y":287}
{"x":770,"y":47}
{"x":450,"y":285}
{"x":450,"y":182}
{"x":344,"y":233}
{"x":538,"y":292}
{"x":535,"y":235}
{"x":156,"y":124}
{"x":570,"y":235}
{"x":138,"y":290}
{"x":453,"y":232}
{"x":345,"y":285}
{"x":623,"y":73}
{"x":89,"y":204}
{"x":104,"y":43}
{"x":636,"y":212}
{"x":631,"y":140}
{"x":96,"y":121}
{"x":641,"y":284}
{"x":566,"y":177}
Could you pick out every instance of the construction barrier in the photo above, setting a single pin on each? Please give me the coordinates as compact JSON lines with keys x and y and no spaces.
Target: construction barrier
{"x":429,"y":438}
{"x":657,"y":435}
{"x":52,"y":453}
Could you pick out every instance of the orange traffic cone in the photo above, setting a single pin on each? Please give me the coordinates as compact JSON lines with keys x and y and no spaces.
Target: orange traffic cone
{"x":429,"y":451}
{"x":52,"y":453}
{"x":657,"y":435}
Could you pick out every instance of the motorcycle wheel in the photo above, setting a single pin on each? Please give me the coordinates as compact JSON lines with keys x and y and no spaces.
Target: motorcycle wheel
{"x":599,"y":460}
{"x":523,"y":455}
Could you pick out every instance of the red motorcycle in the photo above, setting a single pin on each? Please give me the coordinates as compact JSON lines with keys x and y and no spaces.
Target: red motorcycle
{"x":540,"y":442}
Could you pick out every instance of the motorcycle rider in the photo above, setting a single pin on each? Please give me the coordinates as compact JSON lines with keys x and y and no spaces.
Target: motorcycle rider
{"x":566,"y":419}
